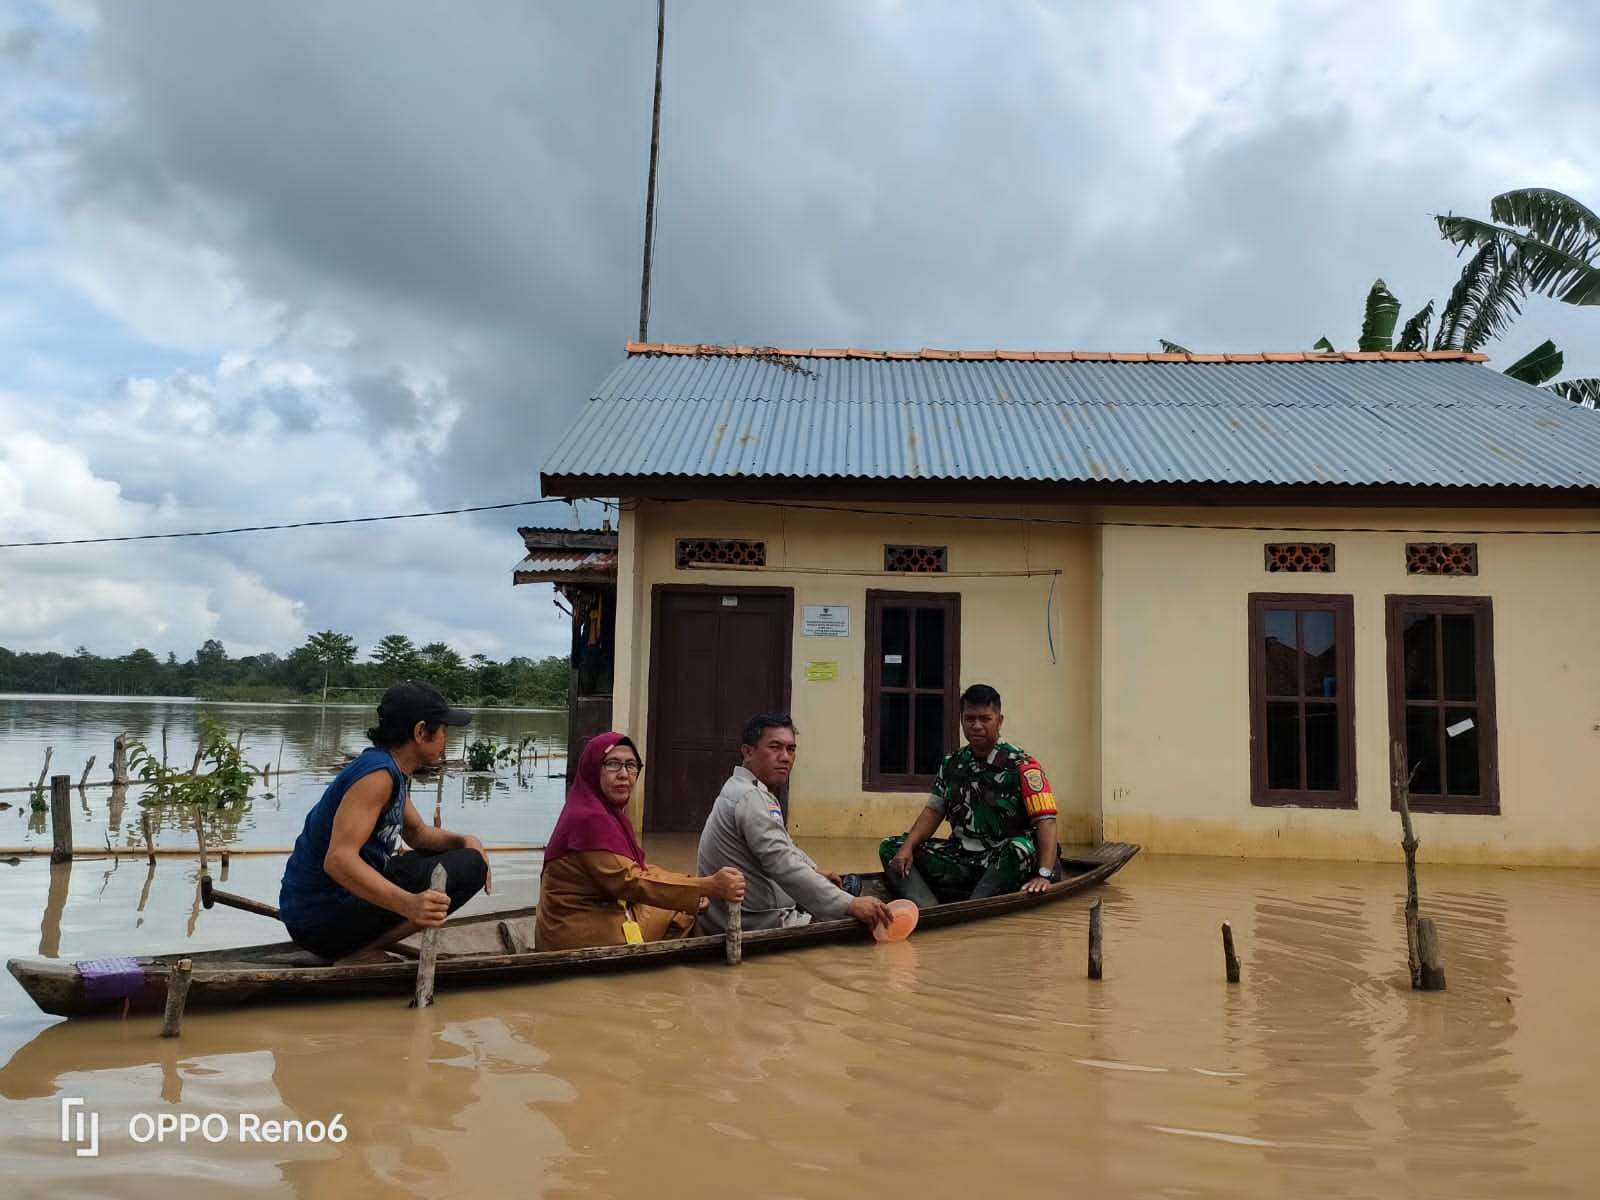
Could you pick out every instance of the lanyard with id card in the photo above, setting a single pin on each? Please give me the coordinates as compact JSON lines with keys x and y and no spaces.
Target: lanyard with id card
{"x":630,"y":928}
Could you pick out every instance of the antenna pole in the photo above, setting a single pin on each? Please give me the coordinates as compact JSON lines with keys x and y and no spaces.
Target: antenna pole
{"x":650,"y":194}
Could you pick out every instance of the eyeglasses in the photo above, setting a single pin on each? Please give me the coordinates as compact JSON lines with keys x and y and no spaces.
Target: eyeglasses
{"x":617,"y":766}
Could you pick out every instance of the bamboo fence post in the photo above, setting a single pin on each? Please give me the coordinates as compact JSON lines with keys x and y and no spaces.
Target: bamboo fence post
{"x":44,"y":771}
{"x":733,"y":943}
{"x":178,"y":980}
{"x":119,"y":760}
{"x":60,"y":818}
{"x":149,"y":838}
{"x":428,"y":959}
{"x":1229,"y":958}
{"x":84,"y":778}
{"x":1095,"y":939}
{"x":163,"y":746}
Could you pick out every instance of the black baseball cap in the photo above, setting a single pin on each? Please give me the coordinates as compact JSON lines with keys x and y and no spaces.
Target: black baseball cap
{"x":413,"y":700}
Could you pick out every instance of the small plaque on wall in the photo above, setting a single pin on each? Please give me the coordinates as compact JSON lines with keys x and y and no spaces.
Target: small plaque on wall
{"x":824,"y":620}
{"x":822,"y":672}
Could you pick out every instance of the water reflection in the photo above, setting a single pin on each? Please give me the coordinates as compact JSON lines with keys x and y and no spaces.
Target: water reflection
{"x":55,"y":904}
{"x":960,"y":1062}
{"x":443,"y":1108}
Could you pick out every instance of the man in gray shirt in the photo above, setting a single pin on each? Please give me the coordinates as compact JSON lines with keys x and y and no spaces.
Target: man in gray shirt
{"x":746,"y":830}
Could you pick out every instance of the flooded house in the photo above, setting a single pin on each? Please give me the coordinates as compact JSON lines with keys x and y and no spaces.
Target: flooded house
{"x":1212,"y":589}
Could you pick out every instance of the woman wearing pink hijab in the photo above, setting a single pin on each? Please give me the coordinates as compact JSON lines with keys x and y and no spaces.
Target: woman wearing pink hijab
{"x":596,"y":889}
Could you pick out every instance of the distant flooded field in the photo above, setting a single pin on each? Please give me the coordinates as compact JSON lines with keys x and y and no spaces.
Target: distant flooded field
{"x":311,"y":742}
{"x":972,"y":1061}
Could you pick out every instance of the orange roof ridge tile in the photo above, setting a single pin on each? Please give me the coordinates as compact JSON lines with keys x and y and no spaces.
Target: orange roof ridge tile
{"x":1137,"y":356}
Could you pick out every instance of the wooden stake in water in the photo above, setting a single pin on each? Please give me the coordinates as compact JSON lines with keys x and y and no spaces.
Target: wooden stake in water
{"x":430,"y":947}
{"x":149,"y":838}
{"x":1427,"y":975}
{"x":119,"y":760}
{"x":45,"y":770}
{"x":178,"y":980}
{"x":1095,"y":961}
{"x":84,"y":778}
{"x":1230,"y":960}
{"x":734,"y":937}
{"x":1430,"y":974}
{"x":60,"y":818}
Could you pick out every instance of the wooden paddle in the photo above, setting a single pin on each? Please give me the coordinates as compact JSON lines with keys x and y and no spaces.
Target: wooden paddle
{"x":209,"y":896}
{"x":426,"y":961}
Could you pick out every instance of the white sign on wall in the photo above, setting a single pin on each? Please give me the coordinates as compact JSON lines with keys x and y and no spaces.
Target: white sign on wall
{"x":824,"y":620}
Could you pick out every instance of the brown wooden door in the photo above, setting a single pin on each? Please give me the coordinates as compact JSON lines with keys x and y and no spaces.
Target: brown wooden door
{"x":718,"y":656}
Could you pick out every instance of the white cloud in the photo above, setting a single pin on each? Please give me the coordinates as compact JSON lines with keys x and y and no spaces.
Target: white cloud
{"x":267,"y":263}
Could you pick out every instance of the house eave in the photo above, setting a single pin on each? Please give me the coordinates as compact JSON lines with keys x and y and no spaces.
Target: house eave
{"x":780,"y":489}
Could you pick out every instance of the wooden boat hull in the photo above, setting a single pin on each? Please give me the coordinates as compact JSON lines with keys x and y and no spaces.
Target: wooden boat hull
{"x":485,"y":951}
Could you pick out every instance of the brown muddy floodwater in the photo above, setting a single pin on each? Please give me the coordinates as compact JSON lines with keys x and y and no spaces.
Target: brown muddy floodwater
{"x":970,"y":1062}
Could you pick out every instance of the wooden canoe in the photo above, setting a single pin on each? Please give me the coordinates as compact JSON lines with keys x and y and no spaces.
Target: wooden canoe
{"x":487,"y":951}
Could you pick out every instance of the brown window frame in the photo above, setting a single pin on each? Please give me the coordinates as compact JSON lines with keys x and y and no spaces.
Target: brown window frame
{"x":1343,"y":609}
{"x":1481,"y":608}
{"x":873,"y":779}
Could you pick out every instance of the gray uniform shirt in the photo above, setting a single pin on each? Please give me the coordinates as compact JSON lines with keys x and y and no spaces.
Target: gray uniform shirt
{"x":782,"y":885}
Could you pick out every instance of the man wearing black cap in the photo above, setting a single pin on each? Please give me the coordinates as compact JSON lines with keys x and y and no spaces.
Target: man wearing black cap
{"x":346,"y":895}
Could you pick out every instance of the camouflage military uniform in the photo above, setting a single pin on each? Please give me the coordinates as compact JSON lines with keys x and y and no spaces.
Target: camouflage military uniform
{"x":991,"y":806}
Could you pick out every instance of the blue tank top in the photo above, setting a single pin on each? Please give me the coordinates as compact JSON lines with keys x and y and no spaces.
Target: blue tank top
{"x":309,"y":896}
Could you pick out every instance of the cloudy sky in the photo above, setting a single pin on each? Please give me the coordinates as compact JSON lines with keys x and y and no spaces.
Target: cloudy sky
{"x":275,"y":262}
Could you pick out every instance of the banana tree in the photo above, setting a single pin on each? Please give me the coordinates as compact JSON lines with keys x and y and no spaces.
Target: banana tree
{"x":1545,"y":243}
{"x":1542,"y":241}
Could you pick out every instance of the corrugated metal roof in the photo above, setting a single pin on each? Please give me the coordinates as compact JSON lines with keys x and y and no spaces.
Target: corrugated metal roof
{"x":1155,"y":419}
{"x":556,"y":567}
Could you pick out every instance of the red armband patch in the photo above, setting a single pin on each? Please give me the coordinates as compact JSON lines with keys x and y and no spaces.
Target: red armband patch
{"x":1036,"y":794}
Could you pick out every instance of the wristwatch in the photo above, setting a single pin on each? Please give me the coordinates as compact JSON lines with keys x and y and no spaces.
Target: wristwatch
{"x":1046,"y":873}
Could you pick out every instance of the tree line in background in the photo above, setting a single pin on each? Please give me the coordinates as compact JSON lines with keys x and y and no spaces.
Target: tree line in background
{"x":324,"y":667}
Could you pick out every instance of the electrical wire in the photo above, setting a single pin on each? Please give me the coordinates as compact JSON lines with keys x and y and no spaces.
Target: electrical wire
{"x":1049,"y":634}
{"x":198,"y":533}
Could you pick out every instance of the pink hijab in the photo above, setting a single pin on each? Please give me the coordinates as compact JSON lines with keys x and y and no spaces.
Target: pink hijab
{"x":588,"y":821}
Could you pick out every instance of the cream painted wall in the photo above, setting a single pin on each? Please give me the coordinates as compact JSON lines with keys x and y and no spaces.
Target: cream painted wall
{"x":630,"y":671}
{"x":1174,"y":743}
{"x":834,"y":558}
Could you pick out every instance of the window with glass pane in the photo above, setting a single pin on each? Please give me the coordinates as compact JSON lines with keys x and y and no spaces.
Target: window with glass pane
{"x":1302,"y":722}
{"x":1441,"y":700}
{"x":912,"y":679}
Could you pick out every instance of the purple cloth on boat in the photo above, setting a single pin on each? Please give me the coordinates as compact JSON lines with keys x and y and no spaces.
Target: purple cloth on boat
{"x":111,"y":978}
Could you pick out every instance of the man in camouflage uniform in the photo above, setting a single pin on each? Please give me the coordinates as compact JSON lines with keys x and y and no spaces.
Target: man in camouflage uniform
{"x":1002,"y":818}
